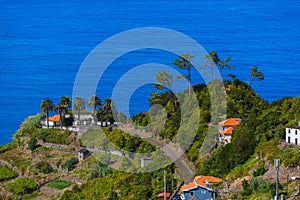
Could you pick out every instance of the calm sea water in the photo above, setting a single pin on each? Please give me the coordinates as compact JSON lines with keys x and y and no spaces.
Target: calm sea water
{"x":43,"y":44}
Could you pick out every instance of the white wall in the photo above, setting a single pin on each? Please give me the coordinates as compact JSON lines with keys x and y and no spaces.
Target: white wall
{"x":292,"y":136}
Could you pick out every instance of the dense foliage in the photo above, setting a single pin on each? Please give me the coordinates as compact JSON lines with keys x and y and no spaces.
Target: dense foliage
{"x":44,"y":167}
{"x":256,"y":138}
{"x":123,"y":186}
{"x":59,"y":184}
{"x":7,"y":173}
{"x":22,"y":186}
{"x":70,"y":164}
{"x":103,"y":138}
{"x":52,"y":135}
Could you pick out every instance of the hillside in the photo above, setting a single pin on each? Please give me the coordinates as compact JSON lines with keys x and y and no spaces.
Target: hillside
{"x":43,"y":164}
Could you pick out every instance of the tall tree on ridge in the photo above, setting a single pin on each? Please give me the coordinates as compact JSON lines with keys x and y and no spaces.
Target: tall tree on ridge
{"x":165,"y":80}
{"x":255,"y":74}
{"x":46,"y":106}
{"x":184,"y":62}
{"x":79,"y":105}
{"x":213,"y":58}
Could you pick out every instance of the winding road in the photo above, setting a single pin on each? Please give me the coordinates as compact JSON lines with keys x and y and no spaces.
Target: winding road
{"x":172,"y":150}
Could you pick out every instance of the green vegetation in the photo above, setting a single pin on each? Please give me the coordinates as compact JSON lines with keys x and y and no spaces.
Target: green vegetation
{"x":44,"y":167}
{"x":70,"y":164}
{"x":32,"y":143}
{"x":46,"y":106}
{"x":52,"y":135}
{"x":6,"y":173}
{"x":79,"y":105}
{"x":22,"y":186}
{"x":120,"y":185}
{"x":28,"y":126}
{"x":255,"y":74}
{"x":101,"y":139}
{"x":260,"y":170}
{"x":254,"y":142}
{"x":59,"y":184}
{"x":254,"y":186}
{"x":8,"y":146}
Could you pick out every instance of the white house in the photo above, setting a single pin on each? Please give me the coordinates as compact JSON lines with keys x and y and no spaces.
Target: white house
{"x":292,"y":135}
{"x":85,"y":119}
{"x":54,"y":121}
{"x":226,"y":128}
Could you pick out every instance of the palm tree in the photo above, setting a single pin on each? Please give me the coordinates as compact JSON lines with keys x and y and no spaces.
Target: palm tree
{"x":46,"y":106}
{"x":94,"y":102}
{"x":107,"y":106}
{"x":59,"y":108}
{"x":65,"y":101}
{"x":63,"y":106}
{"x":79,"y":105}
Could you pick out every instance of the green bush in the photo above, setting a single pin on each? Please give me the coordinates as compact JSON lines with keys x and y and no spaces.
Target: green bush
{"x":52,"y":135}
{"x":70,"y":164}
{"x":22,"y":186}
{"x":6,"y":173}
{"x":32,"y":143}
{"x":260,"y":170}
{"x":59,"y":184}
{"x":44,"y":167}
{"x":8,"y":146}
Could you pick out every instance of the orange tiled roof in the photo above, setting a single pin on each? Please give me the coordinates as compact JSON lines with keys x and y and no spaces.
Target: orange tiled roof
{"x":188,"y":186}
{"x":230,"y":122}
{"x":162,"y":194}
{"x":201,"y":181}
{"x":55,"y":118}
{"x":227,"y":131}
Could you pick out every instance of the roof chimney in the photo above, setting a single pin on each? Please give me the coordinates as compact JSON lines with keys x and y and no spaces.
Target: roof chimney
{"x":207,"y":184}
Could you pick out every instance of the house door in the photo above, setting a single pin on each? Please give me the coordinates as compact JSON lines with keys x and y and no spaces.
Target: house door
{"x":289,"y":139}
{"x":296,"y":141}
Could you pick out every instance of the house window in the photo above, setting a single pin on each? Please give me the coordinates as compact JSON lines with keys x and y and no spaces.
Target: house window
{"x":289,"y":130}
{"x":192,"y":194}
{"x":203,"y":192}
{"x":296,"y":141}
{"x":289,"y":140}
{"x":296,"y":132}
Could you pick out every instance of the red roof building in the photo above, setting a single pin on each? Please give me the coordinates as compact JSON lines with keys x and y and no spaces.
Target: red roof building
{"x":226,"y":128}
{"x":160,"y":196}
{"x":200,"y":188}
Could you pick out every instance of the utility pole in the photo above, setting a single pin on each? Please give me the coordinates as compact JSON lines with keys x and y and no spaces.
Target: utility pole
{"x":165,"y":186}
{"x":276,"y":163}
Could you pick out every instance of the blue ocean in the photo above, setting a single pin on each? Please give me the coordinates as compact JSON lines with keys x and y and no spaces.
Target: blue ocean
{"x":43,"y":44}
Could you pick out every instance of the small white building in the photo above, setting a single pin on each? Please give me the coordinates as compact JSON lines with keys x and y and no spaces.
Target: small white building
{"x":54,"y":121}
{"x":83,"y":154}
{"x":292,"y":135}
{"x":226,"y":128}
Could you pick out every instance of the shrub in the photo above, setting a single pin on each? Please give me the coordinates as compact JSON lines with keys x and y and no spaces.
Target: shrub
{"x":260,"y":170}
{"x":59,"y":184}
{"x":70,"y":164}
{"x":22,"y":185}
{"x":6,"y":173}
{"x":8,"y":146}
{"x":52,"y":135}
{"x":45,"y":167}
{"x":32,"y":143}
